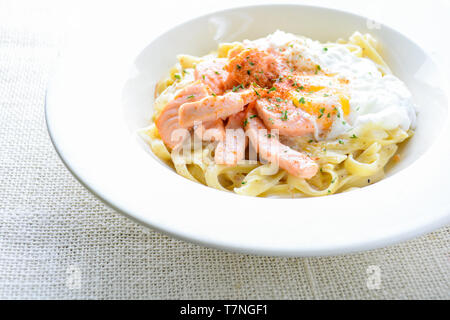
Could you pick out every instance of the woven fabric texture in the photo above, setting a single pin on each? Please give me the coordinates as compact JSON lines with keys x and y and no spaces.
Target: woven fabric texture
{"x":57,"y":241}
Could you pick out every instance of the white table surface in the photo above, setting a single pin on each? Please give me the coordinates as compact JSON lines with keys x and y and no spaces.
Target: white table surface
{"x":58,"y":241}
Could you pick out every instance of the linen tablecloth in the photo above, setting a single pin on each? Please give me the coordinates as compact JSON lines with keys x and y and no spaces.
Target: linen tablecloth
{"x":58,"y":241}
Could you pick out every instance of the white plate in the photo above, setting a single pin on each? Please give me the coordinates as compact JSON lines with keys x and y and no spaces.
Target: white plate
{"x":94,"y":106}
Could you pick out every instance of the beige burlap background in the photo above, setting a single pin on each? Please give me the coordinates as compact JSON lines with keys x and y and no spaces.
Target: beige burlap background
{"x":59,"y":241}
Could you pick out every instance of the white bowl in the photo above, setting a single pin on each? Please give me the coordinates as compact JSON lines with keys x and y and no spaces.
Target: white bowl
{"x":94,"y":107}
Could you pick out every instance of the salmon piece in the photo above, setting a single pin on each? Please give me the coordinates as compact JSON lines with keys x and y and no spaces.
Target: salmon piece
{"x":214,"y":107}
{"x":281,"y":114}
{"x":254,"y":66}
{"x":231,"y":150}
{"x":271,"y":149}
{"x":322,"y":106}
{"x":213,"y":74}
{"x":168,"y":120}
{"x":211,"y":130}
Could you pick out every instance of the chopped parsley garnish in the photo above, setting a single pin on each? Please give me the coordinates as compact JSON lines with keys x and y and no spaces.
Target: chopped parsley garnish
{"x":284,"y":115}
{"x":238,"y":66}
{"x":237,"y":87}
{"x":245,"y":122}
{"x":271,"y":120}
{"x":269,"y":135}
{"x":325,"y":49}
{"x":302,"y":88}
{"x":244,"y":182}
{"x":341,"y":142}
{"x":203,"y":76}
{"x":321,"y":110}
{"x":251,"y":63}
{"x":318,"y":68}
{"x":248,"y":72}
{"x":253,"y":116}
{"x":310,"y":141}
{"x":190,"y":97}
{"x":213,"y":94}
{"x":271,"y":89}
{"x":177,"y":76}
{"x":302,"y":100}
{"x":278,"y":99}
{"x":256,"y":92}
{"x":354,"y":136}
{"x":216,"y":72}
{"x":326,"y":95}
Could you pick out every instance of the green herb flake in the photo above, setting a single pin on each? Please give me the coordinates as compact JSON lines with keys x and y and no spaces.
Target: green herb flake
{"x":284,"y":115}
{"x":302,"y":100}
{"x":177,"y":76}
{"x":190,"y":97}
{"x":321,"y":110}
{"x":354,"y":137}
{"x":237,"y":87}
{"x":271,"y":89}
